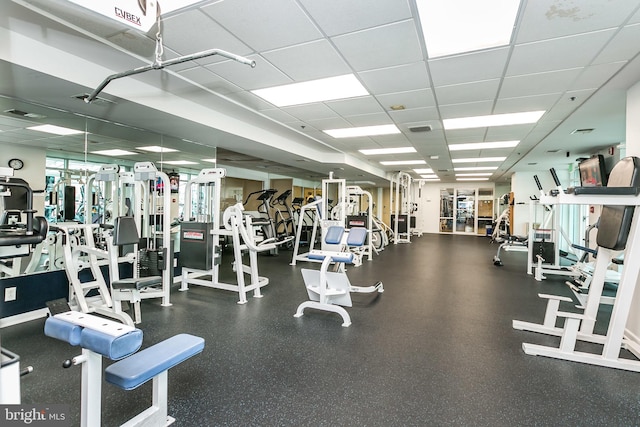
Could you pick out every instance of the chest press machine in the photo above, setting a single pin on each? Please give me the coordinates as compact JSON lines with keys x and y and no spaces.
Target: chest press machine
{"x":619,"y":229}
{"x":100,"y":338}
{"x":331,"y":290}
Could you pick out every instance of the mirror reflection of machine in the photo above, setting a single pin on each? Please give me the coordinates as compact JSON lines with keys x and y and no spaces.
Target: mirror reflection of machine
{"x":17,"y":239}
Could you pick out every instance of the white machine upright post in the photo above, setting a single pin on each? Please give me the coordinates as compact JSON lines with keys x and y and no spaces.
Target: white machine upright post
{"x":316,"y":212}
{"x":336,"y":215}
{"x":400,"y":191}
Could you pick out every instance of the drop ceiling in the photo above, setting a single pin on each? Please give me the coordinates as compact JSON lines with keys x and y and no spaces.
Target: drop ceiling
{"x":573,"y":59}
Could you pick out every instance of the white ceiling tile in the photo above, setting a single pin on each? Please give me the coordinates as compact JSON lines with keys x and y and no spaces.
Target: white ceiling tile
{"x":468,"y":92}
{"x":193,"y":31}
{"x":596,"y":75}
{"x":540,"y":83}
{"x":384,"y":46}
{"x":484,"y":65}
{"x":410,"y":99}
{"x":308,"y":61}
{"x":310,"y":111}
{"x":545,"y":19}
{"x":338,"y":16}
{"x":370,"y":119}
{"x":467,"y":109}
{"x":263,"y":75}
{"x":355,"y":106}
{"x":557,"y":54}
{"x":278,"y":115}
{"x":203,"y":76}
{"x":396,"y":79}
{"x":329,"y":123}
{"x":414,"y":115}
{"x":265,"y":25}
{"x":623,"y":46}
{"x":526,"y":103}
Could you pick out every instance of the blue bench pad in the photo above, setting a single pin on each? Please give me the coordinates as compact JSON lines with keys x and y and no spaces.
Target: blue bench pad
{"x":135,"y":370}
{"x":346,"y":257}
{"x":113,"y":347}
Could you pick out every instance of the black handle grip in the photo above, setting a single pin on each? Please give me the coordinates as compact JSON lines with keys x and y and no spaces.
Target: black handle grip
{"x":555,"y":177}
{"x":537,"y":182}
{"x":67,"y":363}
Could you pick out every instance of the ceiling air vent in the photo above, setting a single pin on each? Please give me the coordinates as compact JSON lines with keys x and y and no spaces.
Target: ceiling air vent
{"x":426,"y":128}
{"x":25,"y":114}
{"x":582,"y":131}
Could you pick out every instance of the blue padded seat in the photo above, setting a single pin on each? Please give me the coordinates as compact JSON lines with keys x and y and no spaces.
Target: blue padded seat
{"x":334,"y":235}
{"x":139,"y":368}
{"x":357,"y":236}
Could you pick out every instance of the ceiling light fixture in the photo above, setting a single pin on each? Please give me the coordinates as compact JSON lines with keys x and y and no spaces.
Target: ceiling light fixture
{"x":479,"y":160}
{"x":397,"y":150}
{"x":114,"y":152}
{"x":429,"y":176}
{"x":157,"y":149}
{"x":476,"y":168}
{"x":424,"y":170}
{"x":483,"y":145}
{"x":472,"y":179}
{"x":464,"y":26}
{"x":402,"y":162}
{"x":474,"y":174}
{"x":56,"y":130}
{"x":363,"y":131}
{"x":332,"y":88}
{"x":492,"y":120}
{"x":210,"y":160}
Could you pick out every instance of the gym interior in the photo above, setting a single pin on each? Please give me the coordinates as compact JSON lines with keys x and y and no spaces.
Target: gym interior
{"x":292,"y":213}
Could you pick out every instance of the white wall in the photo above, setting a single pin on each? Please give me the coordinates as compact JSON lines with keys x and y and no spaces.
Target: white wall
{"x":33,"y":172}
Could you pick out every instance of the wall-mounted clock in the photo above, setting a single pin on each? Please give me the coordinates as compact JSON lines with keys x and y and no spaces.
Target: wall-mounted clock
{"x":16,"y":164}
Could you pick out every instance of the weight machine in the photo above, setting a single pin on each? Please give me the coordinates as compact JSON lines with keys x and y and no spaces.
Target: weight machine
{"x":619,"y":229}
{"x":17,"y":240}
{"x":200,"y":249}
{"x":400,"y":192}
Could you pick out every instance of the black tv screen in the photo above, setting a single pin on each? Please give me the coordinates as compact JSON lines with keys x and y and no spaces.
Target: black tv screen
{"x":593,"y":172}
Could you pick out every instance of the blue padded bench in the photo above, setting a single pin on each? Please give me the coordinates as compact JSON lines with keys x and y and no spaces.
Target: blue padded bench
{"x":100,"y":337}
{"x":139,"y":368}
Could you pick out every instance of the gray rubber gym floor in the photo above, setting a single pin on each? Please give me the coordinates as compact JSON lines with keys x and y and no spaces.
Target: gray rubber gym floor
{"x":436,"y":348}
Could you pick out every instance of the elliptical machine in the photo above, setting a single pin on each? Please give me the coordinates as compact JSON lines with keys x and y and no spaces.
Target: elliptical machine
{"x":264,"y":219}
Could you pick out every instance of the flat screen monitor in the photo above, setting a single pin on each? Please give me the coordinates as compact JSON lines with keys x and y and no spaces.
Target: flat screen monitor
{"x":593,"y":172}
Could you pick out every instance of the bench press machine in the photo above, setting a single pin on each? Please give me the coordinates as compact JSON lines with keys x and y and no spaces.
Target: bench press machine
{"x":331,"y":290}
{"x":100,"y":338}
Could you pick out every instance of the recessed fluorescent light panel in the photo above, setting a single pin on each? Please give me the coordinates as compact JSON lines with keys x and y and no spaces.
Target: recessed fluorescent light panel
{"x":114,"y":152}
{"x":398,"y":150}
{"x":483,"y":145}
{"x":476,"y":168}
{"x":56,"y":130}
{"x":363,"y":131}
{"x":492,"y":120}
{"x":429,"y":176}
{"x":472,"y":179}
{"x":451,"y":27}
{"x":320,"y":90}
{"x":474,"y":174}
{"x":425,"y":170}
{"x":479,"y":159}
{"x":178,"y":162}
{"x":210,"y":160}
{"x":157,"y":149}
{"x":403,"y":162}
